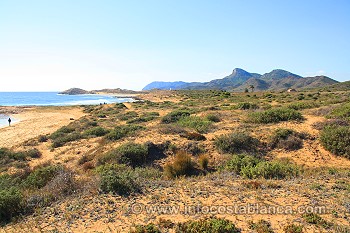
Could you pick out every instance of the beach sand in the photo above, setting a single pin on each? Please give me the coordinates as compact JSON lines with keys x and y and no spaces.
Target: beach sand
{"x":35,"y":121}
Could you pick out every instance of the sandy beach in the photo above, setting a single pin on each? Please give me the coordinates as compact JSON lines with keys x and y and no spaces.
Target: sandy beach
{"x":35,"y":121}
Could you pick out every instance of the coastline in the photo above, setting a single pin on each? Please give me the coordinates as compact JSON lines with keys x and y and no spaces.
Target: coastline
{"x":35,"y":121}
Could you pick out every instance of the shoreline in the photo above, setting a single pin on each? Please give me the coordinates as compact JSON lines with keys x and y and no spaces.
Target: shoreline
{"x":36,"y":121}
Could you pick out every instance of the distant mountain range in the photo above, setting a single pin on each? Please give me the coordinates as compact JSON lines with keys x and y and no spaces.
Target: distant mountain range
{"x":240,"y":79}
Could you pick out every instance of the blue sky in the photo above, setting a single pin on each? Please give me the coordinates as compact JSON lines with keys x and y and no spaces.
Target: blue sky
{"x":58,"y":44}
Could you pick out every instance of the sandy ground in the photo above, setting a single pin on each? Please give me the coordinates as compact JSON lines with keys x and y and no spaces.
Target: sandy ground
{"x":36,"y":121}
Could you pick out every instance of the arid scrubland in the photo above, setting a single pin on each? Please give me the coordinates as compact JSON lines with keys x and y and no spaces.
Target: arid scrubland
{"x":186,"y":161}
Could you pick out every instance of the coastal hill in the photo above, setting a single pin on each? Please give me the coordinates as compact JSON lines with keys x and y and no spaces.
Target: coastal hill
{"x":240,"y":79}
{"x":76,"y":91}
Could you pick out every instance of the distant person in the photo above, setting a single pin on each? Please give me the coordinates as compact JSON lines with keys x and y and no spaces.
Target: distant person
{"x":9,"y":120}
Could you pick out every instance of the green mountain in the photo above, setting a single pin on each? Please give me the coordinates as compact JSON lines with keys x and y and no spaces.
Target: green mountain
{"x":240,"y":79}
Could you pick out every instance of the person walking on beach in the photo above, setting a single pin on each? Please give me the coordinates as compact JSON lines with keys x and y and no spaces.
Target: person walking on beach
{"x":9,"y":120}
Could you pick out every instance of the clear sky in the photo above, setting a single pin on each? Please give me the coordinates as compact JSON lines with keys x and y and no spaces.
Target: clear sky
{"x":50,"y":45}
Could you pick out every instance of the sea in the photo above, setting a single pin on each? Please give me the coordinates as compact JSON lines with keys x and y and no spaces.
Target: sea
{"x":52,"y":99}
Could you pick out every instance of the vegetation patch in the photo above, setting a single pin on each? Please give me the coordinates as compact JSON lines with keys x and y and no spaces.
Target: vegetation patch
{"x":262,"y":226}
{"x":181,"y":166}
{"x":236,"y":143}
{"x":129,"y":153}
{"x":118,"y":179}
{"x":336,"y":140}
{"x":122,"y":131}
{"x":342,"y":112}
{"x":213,"y":224}
{"x":197,"y":123}
{"x":293,"y":228}
{"x":274,"y":115}
{"x":175,"y":116}
{"x":246,"y":106}
{"x":316,"y":219}
{"x":254,"y":167}
{"x":96,"y":132}
{"x":287,"y":139}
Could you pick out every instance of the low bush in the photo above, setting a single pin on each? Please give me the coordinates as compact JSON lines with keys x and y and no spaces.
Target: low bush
{"x":253,"y":167}
{"x":274,"y":115}
{"x":129,"y":153}
{"x":236,"y":143}
{"x":181,"y":166}
{"x":246,"y":106}
{"x":293,"y":228}
{"x":41,"y":176}
{"x":286,"y":139}
{"x":262,"y":226}
{"x":120,"y":132}
{"x":149,"y":228}
{"x":336,"y":140}
{"x":197,"y":123}
{"x":10,"y":203}
{"x":193,"y":148}
{"x":172,"y":129}
{"x":213,"y":118}
{"x":303,"y":105}
{"x":342,"y":112}
{"x":96,"y":132}
{"x":330,"y":122}
{"x":316,"y":219}
{"x":117,"y":179}
{"x":213,"y":224}
{"x":175,"y":116}
{"x":65,"y":138}
{"x":7,"y":156}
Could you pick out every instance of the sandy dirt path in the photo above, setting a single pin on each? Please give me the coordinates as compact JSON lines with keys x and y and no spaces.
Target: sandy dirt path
{"x":36,"y":121}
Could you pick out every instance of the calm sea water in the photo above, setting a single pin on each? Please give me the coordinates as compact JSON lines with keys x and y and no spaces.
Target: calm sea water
{"x":51,"y":99}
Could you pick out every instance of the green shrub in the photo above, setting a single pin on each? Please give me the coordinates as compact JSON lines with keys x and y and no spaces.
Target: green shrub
{"x":10,"y":203}
{"x":293,"y":228}
{"x":271,"y":170}
{"x":342,"y":112}
{"x":274,"y":115}
{"x":197,"y":123}
{"x":128,"y":115}
{"x":262,"y":226}
{"x":253,"y":167}
{"x":236,"y":143}
{"x":174,"y":116}
{"x":212,"y":225}
{"x":41,"y":176}
{"x":286,"y":139}
{"x":123,"y":131}
{"x":96,"y":132}
{"x":316,"y":219}
{"x":302,"y":105}
{"x":61,"y":132}
{"x":246,"y":106}
{"x":181,"y":166}
{"x":213,"y":118}
{"x":149,"y":228}
{"x":129,"y":153}
{"x":33,"y":153}
{"x":65,"y":138}
{"x":118,"y":179}
{"x":336,"y":140}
